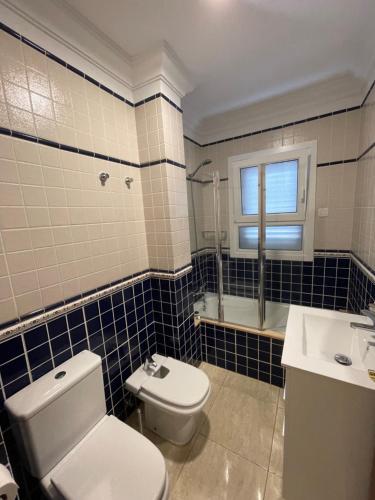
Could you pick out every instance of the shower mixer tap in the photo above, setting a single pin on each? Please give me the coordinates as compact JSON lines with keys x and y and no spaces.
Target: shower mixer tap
{"x":128,"y":181}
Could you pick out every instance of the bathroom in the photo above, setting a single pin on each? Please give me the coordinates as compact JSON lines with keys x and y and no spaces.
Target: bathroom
{"x":187,"y":250}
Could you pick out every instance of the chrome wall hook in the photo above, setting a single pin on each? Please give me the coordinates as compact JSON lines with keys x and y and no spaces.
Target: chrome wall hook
{"x":103,"y":177}
{"x":128,"y":181}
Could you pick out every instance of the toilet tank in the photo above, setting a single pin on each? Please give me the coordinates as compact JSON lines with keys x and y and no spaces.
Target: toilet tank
{"x":51,"y":415}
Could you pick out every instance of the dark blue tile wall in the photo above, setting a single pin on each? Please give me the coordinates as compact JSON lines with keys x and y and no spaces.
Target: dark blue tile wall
{"x":324,"y":282}
{"x":119,"y":327}
{"x":176,"y":334}
{"x":253,"y":355}
{"x":157,"y":315}
{"x":361,"y":289}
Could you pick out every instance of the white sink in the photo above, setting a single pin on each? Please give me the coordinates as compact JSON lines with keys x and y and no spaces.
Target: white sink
{"x":313,"y":338}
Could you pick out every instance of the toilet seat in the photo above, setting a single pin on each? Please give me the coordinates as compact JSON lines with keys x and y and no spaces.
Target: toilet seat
{"x":174,"y":395}
{"x":186,"y":390}
{"x":111,"y":463}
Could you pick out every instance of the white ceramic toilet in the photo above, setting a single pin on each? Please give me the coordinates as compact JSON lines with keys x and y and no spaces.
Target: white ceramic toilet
{"x":174,"y":394}
{"x":75,"y":449}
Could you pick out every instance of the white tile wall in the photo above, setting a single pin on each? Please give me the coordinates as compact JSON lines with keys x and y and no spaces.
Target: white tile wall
{"x":160,"y":132}
{"x":338,"y":138}
{"x":160,"y":135}
{"x":166,"y":216}
{"x":61,"y":231}
{"x":364,"y":212}
{"x":40,"y":97}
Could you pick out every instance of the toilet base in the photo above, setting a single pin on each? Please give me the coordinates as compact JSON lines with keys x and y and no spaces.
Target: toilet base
{"x":178,"y":429}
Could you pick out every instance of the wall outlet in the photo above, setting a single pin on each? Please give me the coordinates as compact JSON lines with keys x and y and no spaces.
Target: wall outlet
{"x":322,"y":212}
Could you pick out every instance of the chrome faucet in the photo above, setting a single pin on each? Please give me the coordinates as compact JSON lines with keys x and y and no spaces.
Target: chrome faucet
{"x":149,"y":365}
{"x":200,"y":295}
{"x":370,"y":313}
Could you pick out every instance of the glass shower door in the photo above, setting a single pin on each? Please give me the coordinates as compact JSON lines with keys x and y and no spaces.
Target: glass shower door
{"x":267,"y":225}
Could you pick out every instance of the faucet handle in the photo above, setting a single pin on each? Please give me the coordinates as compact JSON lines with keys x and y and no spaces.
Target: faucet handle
{"x":149,"y":362}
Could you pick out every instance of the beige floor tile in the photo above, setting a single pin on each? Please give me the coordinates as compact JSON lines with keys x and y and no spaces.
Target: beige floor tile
{"x":281,"y":402}
{"x":175,"y":456}
{"x":215,"y":374}
{"x":273,"y":487}
{"x":277,"y":453}
{"x":215,"y":388}
{"x":252,"y":387}
{"x":212,"y":472}
{"x":243,"y":424}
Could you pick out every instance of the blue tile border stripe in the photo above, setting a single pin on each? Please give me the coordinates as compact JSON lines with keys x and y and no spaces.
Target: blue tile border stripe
{"x":368,"y":93}
{"x":163,"y":160}
{"x":277,"y":127}
{"x":83,"y":75}
{"x":319,"y":165}
{"x":339,"y":162}
{"x":36,"y":317}
{"x":156,"y":96}
{"x":366,"y":151}
{"x":290,"y":124}
{"x":65,"y":147}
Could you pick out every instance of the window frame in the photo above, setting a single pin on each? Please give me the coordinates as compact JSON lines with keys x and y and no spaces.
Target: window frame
{"x":305,"y":153}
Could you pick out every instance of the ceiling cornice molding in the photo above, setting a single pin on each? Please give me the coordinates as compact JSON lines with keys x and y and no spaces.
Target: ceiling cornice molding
{"x":71,"y":45}
{"x":340,"y":92}
{"x":89,"y":26}
{"x":160,"y":64}
{"x":78,"y":41}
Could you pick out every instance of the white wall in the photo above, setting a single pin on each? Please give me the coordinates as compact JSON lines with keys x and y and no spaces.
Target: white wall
{"x":337,"y":138}
{"x":364,"y":211}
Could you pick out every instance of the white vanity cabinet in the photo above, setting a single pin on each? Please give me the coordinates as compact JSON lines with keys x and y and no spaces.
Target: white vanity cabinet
{"x":329,"y":440}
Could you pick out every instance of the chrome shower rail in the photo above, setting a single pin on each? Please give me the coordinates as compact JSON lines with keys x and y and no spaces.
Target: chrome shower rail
{"x":219,"y":257}
{"x":261,"y":247}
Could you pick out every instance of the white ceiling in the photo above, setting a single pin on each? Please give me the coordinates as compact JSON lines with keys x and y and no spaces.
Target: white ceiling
{"x":242,"y":51}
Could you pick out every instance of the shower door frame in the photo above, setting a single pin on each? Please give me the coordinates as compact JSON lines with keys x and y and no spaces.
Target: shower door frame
{"x":218,"y":246}
{"x":261,"y":245}
{"x":306,"y":153}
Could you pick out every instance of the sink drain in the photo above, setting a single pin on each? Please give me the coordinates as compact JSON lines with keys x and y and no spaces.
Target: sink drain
{"x":343,"y":359}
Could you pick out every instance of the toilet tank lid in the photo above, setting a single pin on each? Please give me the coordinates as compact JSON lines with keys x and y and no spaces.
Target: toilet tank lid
{"x":33,"y":398}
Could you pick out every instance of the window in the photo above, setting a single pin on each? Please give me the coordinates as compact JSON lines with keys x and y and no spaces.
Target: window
{"x":289,"y":201}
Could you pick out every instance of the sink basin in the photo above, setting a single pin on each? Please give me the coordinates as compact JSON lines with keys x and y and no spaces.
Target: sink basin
{"x":314,"y":336}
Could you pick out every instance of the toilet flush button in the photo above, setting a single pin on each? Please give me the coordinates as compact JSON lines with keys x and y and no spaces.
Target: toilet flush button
{"x":60,"y":375}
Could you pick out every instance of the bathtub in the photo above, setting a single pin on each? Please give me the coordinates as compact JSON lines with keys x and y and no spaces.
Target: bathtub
{"x":244,"y":311}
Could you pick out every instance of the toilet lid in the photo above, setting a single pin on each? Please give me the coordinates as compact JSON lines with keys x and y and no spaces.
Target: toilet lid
{"x":113,"y":463}
{"x":184,"y":386}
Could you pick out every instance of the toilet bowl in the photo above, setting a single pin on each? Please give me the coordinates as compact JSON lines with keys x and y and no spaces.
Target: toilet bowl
{"x":109,"y":463}
{"x":75,"y":449}
{"x":174,"y":395}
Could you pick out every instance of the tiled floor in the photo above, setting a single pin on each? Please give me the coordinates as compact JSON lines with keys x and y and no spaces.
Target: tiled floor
{"x":237,"y":452}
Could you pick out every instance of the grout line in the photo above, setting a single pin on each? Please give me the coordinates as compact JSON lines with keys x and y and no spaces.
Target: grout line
{"x":273,"y":436}
{"x":76,"y":71}
{"x":234,"y":452}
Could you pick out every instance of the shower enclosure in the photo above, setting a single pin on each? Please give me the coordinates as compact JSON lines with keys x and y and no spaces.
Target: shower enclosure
{"x":229,"y":289}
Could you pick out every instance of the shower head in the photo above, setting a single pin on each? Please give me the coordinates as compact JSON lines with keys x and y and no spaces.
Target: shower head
{"x":207,"y":161}
{"x":202,"y":164}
